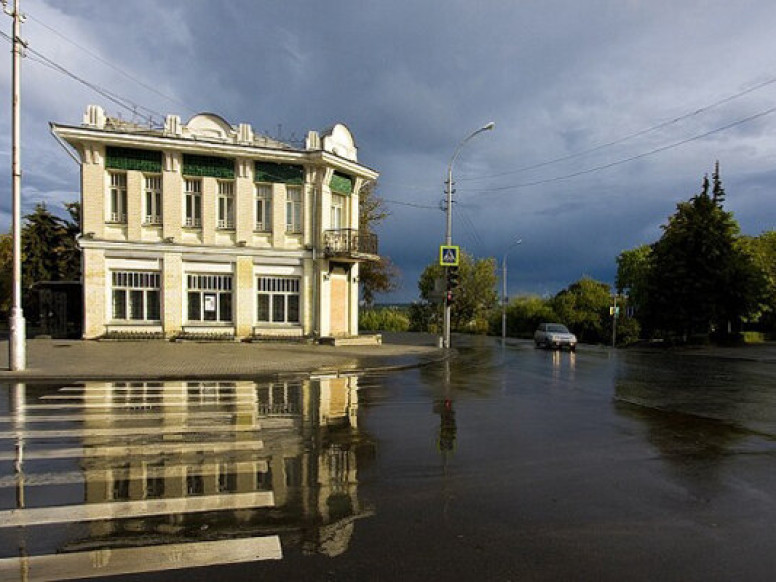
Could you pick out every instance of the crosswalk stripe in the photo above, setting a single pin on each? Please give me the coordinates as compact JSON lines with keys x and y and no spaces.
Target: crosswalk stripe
{"x":112,"y":562}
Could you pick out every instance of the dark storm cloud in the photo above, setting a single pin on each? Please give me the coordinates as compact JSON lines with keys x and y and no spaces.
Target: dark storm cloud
{"x":412,"y":79}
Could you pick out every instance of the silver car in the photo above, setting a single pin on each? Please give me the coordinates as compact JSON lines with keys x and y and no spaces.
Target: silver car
{"x":554,"y":336}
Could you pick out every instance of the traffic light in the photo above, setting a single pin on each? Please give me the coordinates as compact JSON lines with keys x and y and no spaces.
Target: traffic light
{"x":452,"y":278}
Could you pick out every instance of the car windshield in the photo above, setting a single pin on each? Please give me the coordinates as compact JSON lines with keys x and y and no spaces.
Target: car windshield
{"x":557,"y":328}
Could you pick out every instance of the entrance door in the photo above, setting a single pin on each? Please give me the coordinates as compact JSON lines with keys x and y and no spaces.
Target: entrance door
{"x":340,"y":304}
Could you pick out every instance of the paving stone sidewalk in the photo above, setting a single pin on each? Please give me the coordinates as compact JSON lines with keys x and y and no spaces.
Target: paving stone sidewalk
{"x":158,"y":360}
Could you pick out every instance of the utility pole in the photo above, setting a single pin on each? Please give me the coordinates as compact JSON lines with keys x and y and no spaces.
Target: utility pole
{"x":449,"y":226}
{"x":17,"y":356}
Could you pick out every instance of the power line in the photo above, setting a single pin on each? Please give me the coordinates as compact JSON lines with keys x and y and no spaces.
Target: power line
{"x":630,"y":159}
{"x":111,"y":65}
{"x":639,"y":133}
{"x":40,"y":58}
{"x":411,"y":204}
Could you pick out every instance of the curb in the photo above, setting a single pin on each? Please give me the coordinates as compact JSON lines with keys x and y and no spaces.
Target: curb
{"x":266,"y":376}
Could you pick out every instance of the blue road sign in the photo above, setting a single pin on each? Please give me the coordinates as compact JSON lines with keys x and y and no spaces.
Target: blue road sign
{"x":449,"y":255}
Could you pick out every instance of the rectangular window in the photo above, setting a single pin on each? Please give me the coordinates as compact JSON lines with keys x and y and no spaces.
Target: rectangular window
{"x":337,"y":212}
{"x":136,"y":295}
{"x":118,"y":197}
{"x":293,"y":209}
{"x":193,"y":198}
{"x":278,"y":300}
{"x":153,"y":200}
{"x":226,"y":205}
{"x":210,"y":298}
{"x":263,"y":207}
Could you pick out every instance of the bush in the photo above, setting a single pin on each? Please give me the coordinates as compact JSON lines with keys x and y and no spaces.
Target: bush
{"x":425,"y":317}
{"x":384,"y":319}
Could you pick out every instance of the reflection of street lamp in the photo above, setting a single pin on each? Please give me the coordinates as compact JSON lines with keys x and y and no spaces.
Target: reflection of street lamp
{"x":504,"y":290}
{"x":449,"y":235}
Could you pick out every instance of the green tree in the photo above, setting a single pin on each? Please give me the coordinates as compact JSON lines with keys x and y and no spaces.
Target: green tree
{"x":49,"y":253}
{"x":375,"y":276}
{"x":6,"y":275}
{"x":701,"y":281}
{"x":70,"y":257}
{"x":584,"y":307}
{"x":633,"y":274}
{"x":43,"y":243}
{"x":525,"y":313}
{"x":762,"y":252}
{"x":474,"y":299}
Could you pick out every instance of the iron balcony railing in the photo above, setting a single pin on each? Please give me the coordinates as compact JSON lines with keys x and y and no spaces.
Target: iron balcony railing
{"x":349,"y":242}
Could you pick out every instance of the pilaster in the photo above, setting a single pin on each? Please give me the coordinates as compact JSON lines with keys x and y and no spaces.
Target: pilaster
{"x":172,"y":294}
{"x":209,"y":202}
{"x":93,"y":190}
{"x":135,"y":212}
{"x":278,"y":215}
{"x":96,"y":305}
{"x":172,"y":197}
{"x":243,"y":191}
{"x":243,"y":291}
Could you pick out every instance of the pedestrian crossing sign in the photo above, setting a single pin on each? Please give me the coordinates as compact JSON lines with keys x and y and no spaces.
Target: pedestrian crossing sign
{"x":449,"y":255}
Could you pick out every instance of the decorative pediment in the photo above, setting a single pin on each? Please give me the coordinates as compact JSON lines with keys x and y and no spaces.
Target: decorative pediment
{"x":209,"y":126}
{"x":339,"y":141}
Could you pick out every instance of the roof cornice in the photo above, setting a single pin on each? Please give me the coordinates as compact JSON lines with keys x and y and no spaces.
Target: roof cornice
{"x":82,"y":135}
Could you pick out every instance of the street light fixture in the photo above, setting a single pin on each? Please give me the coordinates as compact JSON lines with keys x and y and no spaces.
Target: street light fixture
{"x":449,"y":234}
{"x":504,"y":291}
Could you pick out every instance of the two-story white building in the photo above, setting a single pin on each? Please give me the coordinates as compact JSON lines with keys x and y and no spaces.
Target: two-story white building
{"x":205,"y":229}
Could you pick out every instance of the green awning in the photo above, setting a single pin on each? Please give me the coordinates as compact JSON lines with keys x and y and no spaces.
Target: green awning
{"x":282,"y":173}
{"x":133,"y":159}
{"x":341,"y":184}
{"x":211,"y":166}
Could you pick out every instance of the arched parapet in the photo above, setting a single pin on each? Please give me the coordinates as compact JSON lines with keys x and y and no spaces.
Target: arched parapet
{"x":339,"y":141}
{"x":209,"y":126}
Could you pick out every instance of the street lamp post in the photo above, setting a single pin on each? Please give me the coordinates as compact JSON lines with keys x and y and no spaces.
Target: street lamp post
{"x":504,"y":291}
{"x":449,"y":232}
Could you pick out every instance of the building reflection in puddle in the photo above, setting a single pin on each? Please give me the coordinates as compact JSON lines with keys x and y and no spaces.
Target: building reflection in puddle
{"x":177,"y":474}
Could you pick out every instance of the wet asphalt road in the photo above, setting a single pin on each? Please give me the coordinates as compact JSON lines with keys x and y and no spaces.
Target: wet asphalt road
{"x":504,"y":464}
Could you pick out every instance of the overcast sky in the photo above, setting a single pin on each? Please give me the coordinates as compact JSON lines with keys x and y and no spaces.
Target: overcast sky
{"x":575,"y":87}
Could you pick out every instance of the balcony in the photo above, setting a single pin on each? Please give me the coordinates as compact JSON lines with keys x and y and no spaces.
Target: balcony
{"x":349,"y":244}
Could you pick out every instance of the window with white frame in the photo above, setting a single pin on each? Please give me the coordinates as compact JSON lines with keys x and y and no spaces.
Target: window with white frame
{"x":209,"y":297}
{"x":192,"y":190}
{"x":225,"y":205}
{"x":153,"y":200}
{"x":118,"y":197}
{"x":278,"y":300}
{"x":337,"y":212}
{"x":263,"y":207}
{"x":136,"y":295}
{"x":293,"y":209}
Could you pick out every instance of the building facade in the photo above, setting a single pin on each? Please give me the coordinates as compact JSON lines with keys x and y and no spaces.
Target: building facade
{"x":205,"y":229}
